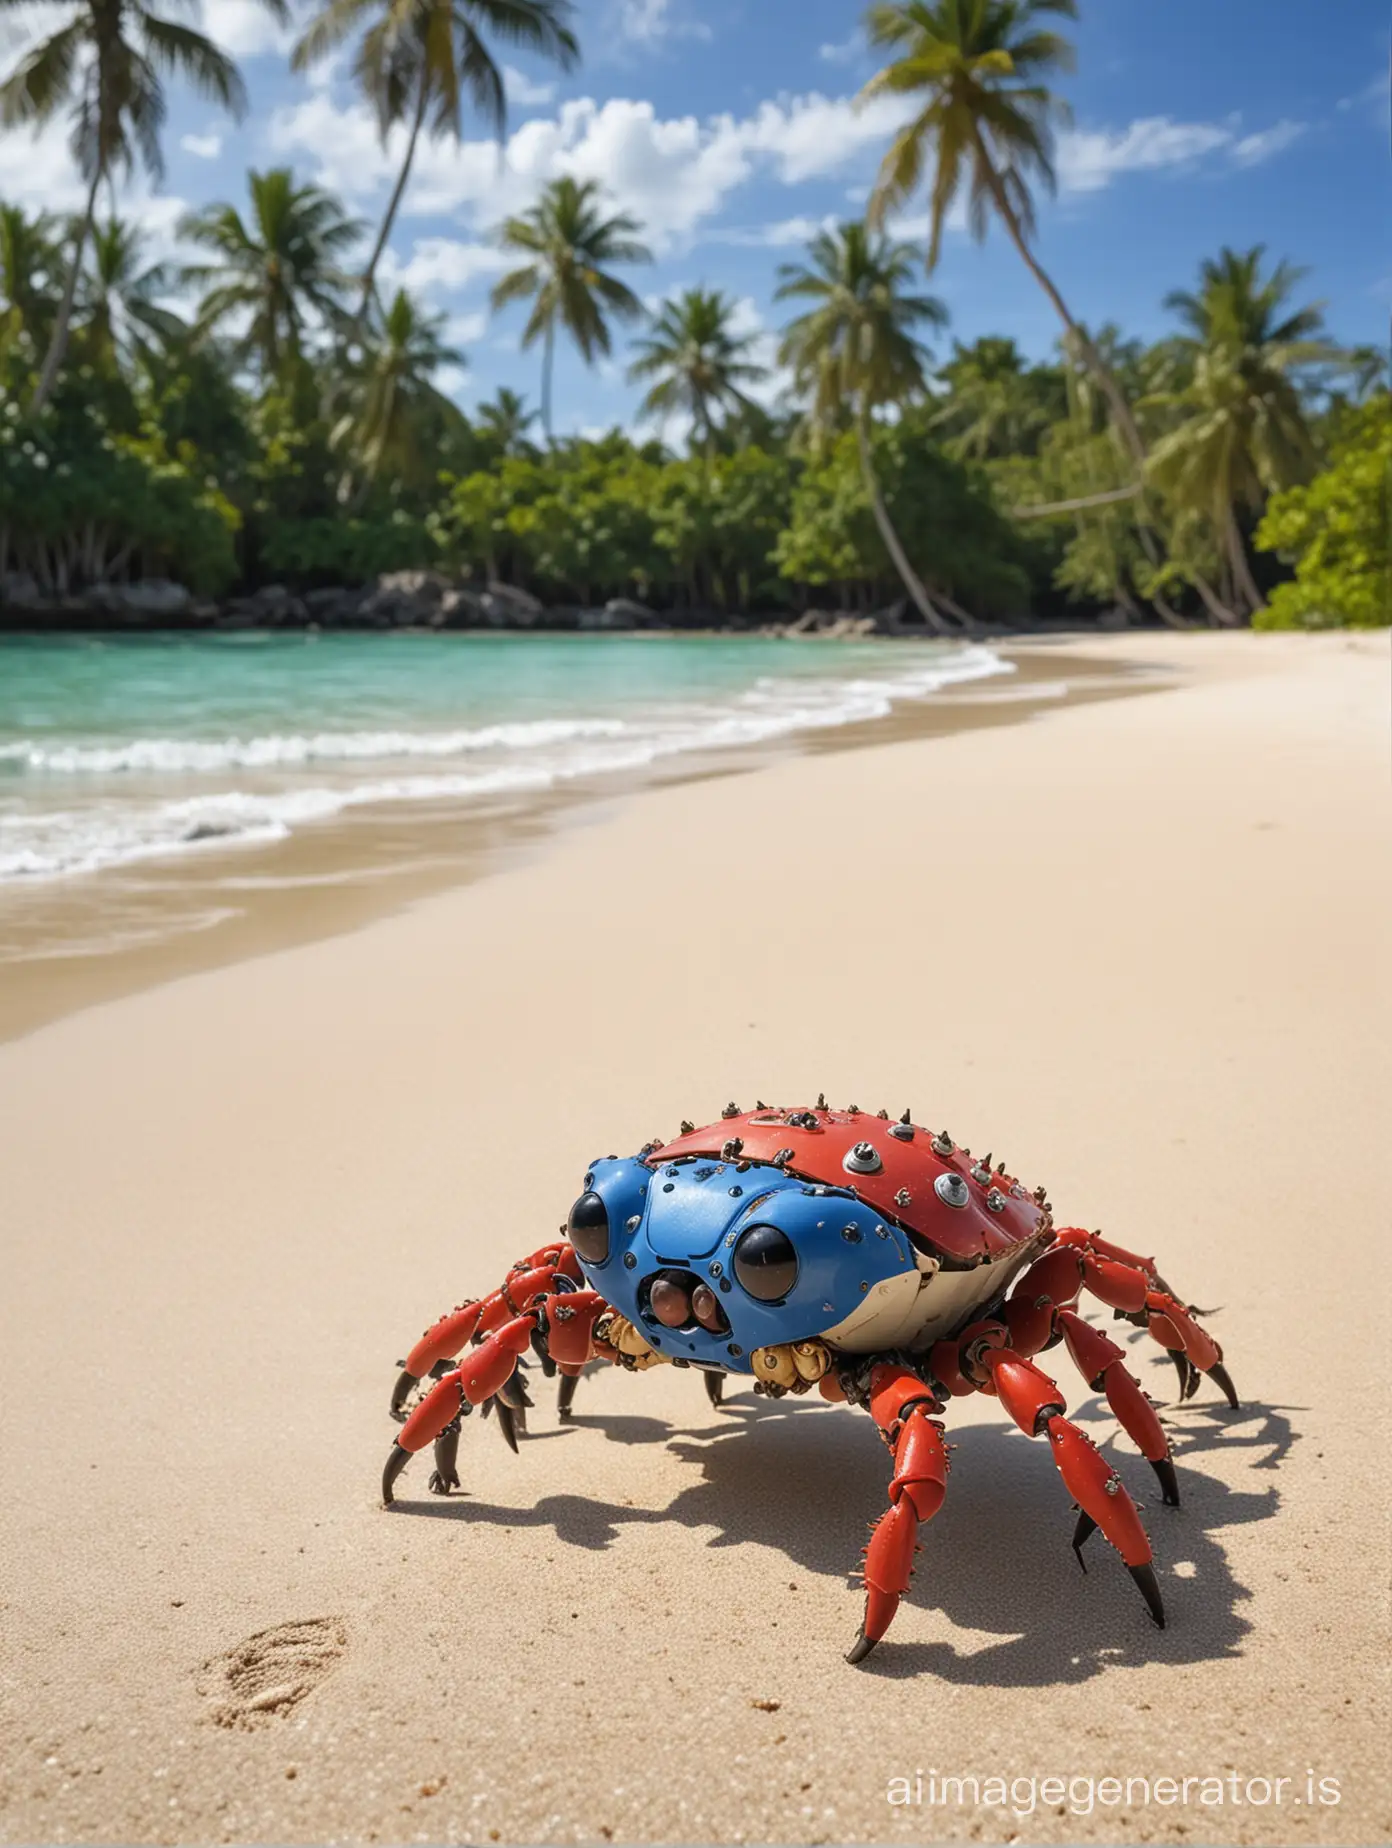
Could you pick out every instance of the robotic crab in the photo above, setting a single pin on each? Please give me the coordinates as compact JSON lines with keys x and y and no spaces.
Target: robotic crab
{"x":876,"y":1261}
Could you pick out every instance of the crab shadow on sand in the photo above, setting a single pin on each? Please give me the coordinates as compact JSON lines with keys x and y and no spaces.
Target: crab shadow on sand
{"x":804,"y":1478}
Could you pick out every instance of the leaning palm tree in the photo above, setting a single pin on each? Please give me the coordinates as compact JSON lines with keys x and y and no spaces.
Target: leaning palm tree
{"x":504,"y":421}
{"x":1243,"y":432}
{"x":570,"y":242}
{"x":105,"y":65}
{"x":396,"y":412}
{"x":417,"y":58}
{"x":275,"y":271}
{"x":979,"y":70}
{"x":119,"y":302}
{"x":696,"y":362}
{"x":856,"y":348}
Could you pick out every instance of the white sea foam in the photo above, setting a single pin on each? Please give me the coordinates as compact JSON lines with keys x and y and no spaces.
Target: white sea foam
{"x":114,"y":829}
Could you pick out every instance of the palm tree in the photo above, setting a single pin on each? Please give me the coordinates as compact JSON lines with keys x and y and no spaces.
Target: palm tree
{"x":119,"y":298}
{"x":980,"y":68}
{"x":29,"y":267}
{"x":275,"y":270}
{"x":570,"y":242}
{"x":856,"y":348}
{"x":416,"y":60}
{"x":105,"y":64}
{"x":1244,"y":431}
{"x":504,"y":421}
{"x":696,"y":362}
{"x":996,"y":404}
{"x":397,"y":414}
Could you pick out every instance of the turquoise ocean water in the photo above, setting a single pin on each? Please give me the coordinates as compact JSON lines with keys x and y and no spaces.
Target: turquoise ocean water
{"x":117,"y":751}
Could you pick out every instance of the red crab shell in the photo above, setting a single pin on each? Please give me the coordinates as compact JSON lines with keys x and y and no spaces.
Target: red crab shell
{"x":902,"y":1189}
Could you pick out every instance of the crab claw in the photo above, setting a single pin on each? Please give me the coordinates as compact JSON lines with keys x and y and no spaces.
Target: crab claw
{"x":1220,"y":1373}
{"x":445,"y":1475}
{"x":507,"y":1422}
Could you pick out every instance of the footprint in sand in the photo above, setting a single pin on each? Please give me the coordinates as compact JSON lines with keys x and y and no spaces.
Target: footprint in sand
{"x":269,"y":1674}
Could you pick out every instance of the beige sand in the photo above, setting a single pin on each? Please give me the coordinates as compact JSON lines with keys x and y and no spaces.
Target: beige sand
{"x":1137,"y":948}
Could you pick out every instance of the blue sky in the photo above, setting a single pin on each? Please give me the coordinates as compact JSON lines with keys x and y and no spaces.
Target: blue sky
{"x":727,"y":126}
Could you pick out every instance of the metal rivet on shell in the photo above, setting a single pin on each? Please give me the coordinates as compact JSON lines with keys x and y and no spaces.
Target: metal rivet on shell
{"x":736,"y":1191}
{"x":902,"y":1132}
{"x":730,"y":1151}
{"x":687,"y":1129}
{"x":631,"y":1225}
{"x":864,"y":1158}
{"x":730,"y":1110}
{"x":716,"y":1269}
{"x":735,"y":1349}
{"x":903,"y":1197}
{"x":782,"y":1155}
{"x":1111,"y":1486}
{"x":629,"y":1260}
{"x":851,"y":1234}
{"x":667,"y":1186}
{"x":942,"y":1143}
{"x":951,"y":1189}
{"x":995,"y":1201}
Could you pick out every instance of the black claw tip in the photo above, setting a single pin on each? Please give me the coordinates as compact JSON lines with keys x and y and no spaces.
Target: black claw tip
{"x":861,"y":1648}
{"x":396,"y":1462}
{"x":441,"y":1485}
{"x":507,"y":1424}
{"x":1082,"y":1533}
{"x":1150,"y":1591}
{"x":401,"y":1392}
{"x":1169,"y":1482}
{"x":1191,"y":1377}
{"x":565,"y":1397}
{"x":1220,"y":1373}
{"x":715,"y":1386}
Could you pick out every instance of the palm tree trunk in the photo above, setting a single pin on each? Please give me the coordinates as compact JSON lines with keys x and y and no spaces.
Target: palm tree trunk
{"x":1242,"y":570}
{"x":1121,"y":410}
{"x":58,"y":343}
{"x":548,"y":365}
{"x":389,"y":217}
{"x":910,"y":578}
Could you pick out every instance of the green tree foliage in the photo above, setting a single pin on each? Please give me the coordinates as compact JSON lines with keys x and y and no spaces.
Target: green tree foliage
{"x":957,"y":542}
{"x":1337,"y":531}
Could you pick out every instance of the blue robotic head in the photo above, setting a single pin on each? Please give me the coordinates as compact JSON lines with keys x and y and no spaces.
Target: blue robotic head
{"x":713,"y":1259}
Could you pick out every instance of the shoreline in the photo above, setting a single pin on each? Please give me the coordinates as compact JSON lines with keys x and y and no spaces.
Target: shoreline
{"x":247,"y":900}
{"x":1138,"y":949}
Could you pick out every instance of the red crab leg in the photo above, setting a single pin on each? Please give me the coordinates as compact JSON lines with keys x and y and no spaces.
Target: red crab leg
{"x":1101,"y":1363}
{"x":902,"y":1407}
{"x":568,"y":1324}
{"x":1133,"y":1287}
{"x":526,"y":1280}
{"x":1036,"y":1404}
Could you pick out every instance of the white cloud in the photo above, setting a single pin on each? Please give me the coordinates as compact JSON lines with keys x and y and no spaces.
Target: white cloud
{"x":649,"y":22}
{"x":443,"y":263}
{"x":779,"y":235}
{"x":1253,"y":149}
{"x":525,"y":91}
{"x":246,"y":28}
{"x":462,"y":330}
{"x":672,"y":173}
{"x":1090,"y":159}
{"x":202,"y":147}
{"x":845,"y":51}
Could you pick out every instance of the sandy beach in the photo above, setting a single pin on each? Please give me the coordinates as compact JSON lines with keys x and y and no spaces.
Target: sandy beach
{"x":1137,"y":947}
